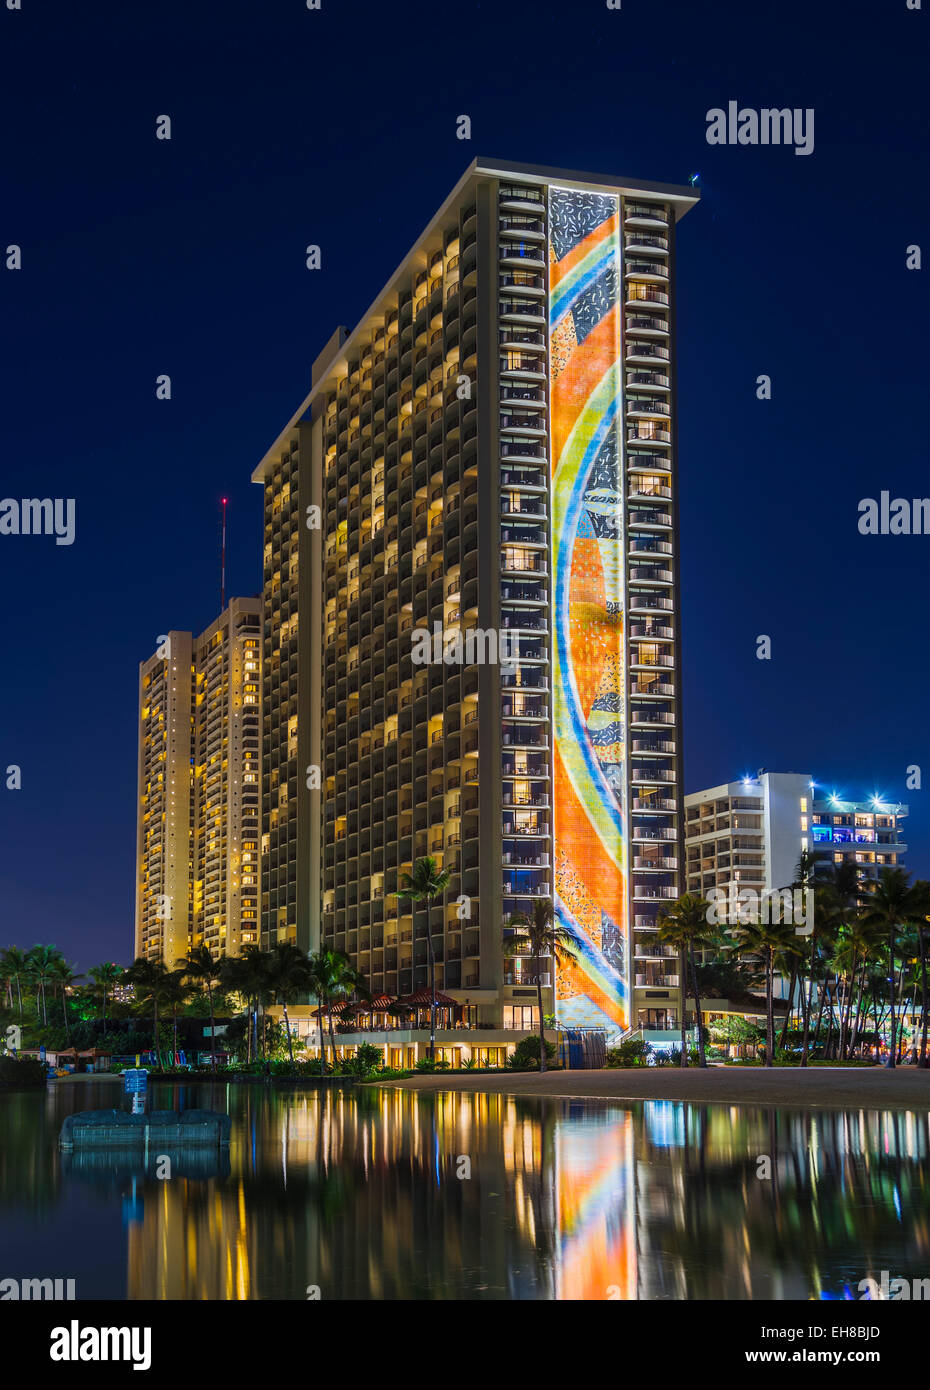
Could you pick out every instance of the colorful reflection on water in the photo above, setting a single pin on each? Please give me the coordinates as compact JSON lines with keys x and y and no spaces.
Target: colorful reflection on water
{"x":366,"y":1194}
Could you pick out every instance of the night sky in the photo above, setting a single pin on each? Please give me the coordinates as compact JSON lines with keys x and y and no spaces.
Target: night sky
{"x":337,"y":127}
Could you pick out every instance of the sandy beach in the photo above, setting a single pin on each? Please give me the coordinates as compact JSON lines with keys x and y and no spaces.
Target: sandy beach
{"x":872,"y":1088}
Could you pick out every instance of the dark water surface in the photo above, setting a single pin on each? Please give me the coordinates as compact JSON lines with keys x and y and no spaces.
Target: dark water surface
{"x":366,"y":1194}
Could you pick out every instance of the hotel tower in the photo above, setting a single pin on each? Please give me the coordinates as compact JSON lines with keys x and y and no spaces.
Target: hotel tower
{"x":484,"y":470}
{"x":199,"y":772}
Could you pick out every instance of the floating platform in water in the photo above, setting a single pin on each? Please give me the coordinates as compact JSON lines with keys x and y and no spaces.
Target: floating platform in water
{"x":166,"y":1129}
{"x":112,"y":1166}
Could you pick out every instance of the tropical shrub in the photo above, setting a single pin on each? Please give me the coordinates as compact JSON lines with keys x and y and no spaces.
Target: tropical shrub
{"x":632,"y":1052}
{"x":526,"y":1054}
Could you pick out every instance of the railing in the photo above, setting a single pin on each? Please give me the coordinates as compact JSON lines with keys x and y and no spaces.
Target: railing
{"x":518,"y":281}
{"x":644,"y":659}
{"x":647,"y":431}
{"x":523,"y":251}
{"x":644,"y":210}
{"x":640,"y":239}
{"x":642,"y":294}
{"x":648,"y":379}
{"x":636,"y":349}
{"x":645,"y":545}
{"x":521,"y":422}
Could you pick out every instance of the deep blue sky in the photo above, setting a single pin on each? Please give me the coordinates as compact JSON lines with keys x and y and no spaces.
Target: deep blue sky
{"x":338,"y":127}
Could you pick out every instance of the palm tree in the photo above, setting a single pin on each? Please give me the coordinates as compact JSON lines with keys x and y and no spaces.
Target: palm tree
{"x":240,"y":975}
{"x":349,"y":981}
{"x":324,"y":973}
{"x":538,"y":936}
{"x":148,"y":980}
{"x":41,"y":964}
{"x":202,"y":968}
{"x":104,"y":977}
{"x":685,"y":926}
{"x":826,"y":924}
{"x":891,"y":904}
{"x":13,"y":966}
{"x":924,"y":887}
{"x":769,"y":942}
{"x":287,"y":975}
{"x":175,"y":992}
{"x":255,"y":976}
{"x":63,"y":976}
{"x":426,"y":882}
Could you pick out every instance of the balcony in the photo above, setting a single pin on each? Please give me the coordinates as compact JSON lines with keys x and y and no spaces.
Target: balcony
{"x":644,"y":244}
{"x":644,"y":545}
{"x":536,"y":829}
{"x":522,"y":255}
{"x":662,"y":832}
{"x":651,"y":574}
{"x":646,"y":353}
{"x":644,"y":215}
{"x":526,"y":564}
{"x":639,"y":406}
{"x":648,"y":270}
{"x":649,"y":433}
{"x":651,"y":325}
{"x":525,"y":424}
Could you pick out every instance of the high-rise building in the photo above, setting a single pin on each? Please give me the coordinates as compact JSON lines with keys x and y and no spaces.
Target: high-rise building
{"x":752,"y":833}
{"x":197,"y":879}
{"x":164,"y":847}
{"x":471,"y":618}
{"x":749,"y":833}
{"x":865,"y":833}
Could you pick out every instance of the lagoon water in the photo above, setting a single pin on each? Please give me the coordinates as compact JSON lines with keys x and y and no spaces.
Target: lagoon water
{"x":377,"y":1193}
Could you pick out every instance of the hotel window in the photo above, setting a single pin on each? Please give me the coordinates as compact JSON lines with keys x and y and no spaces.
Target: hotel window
{"x":523,"y":1017}
{"x":650,"y":484}
{"x":518,"y":558}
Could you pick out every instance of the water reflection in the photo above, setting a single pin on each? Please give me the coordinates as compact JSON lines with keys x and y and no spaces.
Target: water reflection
{"x":366,"y":1194}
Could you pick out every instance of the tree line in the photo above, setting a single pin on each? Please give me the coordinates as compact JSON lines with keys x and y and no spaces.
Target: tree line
{"x":867,"y":951}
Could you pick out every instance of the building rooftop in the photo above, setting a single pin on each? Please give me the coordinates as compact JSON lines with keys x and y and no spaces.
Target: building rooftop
{"x":680,"y":197}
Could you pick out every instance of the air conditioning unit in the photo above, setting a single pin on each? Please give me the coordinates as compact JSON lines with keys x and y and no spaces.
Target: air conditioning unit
{"x":546,"y":980}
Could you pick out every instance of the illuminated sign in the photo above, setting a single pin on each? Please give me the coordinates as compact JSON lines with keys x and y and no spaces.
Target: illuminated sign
{"x":591,"y":868}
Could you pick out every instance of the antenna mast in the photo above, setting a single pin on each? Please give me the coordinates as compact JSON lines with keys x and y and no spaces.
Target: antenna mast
{"x":223,"y":562}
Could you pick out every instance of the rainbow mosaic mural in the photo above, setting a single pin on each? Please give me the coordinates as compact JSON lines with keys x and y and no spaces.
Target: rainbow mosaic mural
{"x":591,"y":871}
